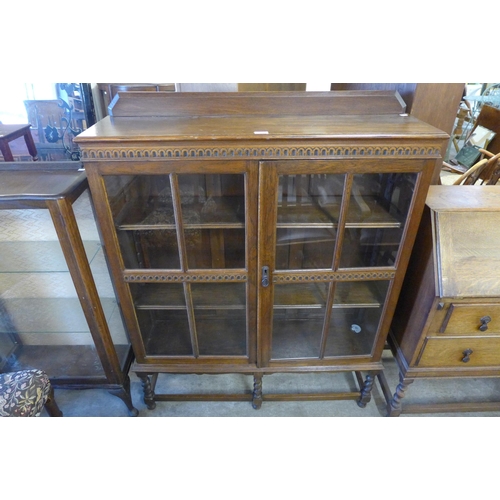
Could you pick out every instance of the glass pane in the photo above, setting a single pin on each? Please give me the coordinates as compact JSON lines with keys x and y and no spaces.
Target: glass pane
{"x":165,"y":332}
{"x":370,"y":247}
{"x":220,"y":314}
{"x":355,"y":317}
{"x":298,"y":317}
{"x":149,"y":249}
{"x":7,"y":340}
{"x":308,"y":213}
{"x":213,"y":214}
{"x":305,"y":248}
{"x":163,"y":320}
{"x":143,"y":212}
{"x":42,"y":324}
{"x":376,"y":218}
{"x":215,"y":248}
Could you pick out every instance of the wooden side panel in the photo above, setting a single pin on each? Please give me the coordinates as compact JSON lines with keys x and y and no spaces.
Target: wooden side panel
{"x":417,"y":294}
{"x":437,"y":104}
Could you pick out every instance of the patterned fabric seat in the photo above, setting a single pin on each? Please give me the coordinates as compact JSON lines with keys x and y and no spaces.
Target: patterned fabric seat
{"x":24,"y":394}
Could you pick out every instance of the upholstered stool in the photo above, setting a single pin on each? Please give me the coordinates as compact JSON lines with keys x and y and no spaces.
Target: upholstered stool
{"x":24,"y":394}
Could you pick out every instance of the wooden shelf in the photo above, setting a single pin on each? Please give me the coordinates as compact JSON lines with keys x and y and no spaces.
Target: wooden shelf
{"x":228,"y":214}
{"x":222,"y":213}
{"x":359,"y":215}
{"x":205,"y":296}
{"x":348,"y":295}
{"x":48,"y":315}
{"x":64,"y":361}
{"x":232,"y":296}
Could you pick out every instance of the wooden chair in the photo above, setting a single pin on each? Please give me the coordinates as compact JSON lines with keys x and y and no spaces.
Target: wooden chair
{"x":25,"y":393}
{"x":53,"y":128}
{"x":464,"y":121}
{"x":489,"y":118}
{"x":43,"y":113}
{"x":476,"y":174}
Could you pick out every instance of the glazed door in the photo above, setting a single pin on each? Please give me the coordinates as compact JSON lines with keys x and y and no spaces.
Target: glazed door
{"x":186,"y":234}
{"x":330,"y":237}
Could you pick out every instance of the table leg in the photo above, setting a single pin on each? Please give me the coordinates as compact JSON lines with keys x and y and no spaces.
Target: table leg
{"x":6,"y":152}
{"x":30,"y":143}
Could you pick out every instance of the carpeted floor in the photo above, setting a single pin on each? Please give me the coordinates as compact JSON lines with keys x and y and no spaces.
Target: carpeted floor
{"x":99,"y":403}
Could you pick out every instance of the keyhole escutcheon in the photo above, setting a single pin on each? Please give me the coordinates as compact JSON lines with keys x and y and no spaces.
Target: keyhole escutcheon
{"x":265,"y":276}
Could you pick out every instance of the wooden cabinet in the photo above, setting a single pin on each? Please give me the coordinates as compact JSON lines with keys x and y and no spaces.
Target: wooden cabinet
{"x":258,"y":233}
{"x":447,"y":322}
{"x":58,"y":312}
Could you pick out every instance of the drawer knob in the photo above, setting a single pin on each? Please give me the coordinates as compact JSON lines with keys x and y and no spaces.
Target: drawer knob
{"x":484,"y":323}
{"x":467,"y":354}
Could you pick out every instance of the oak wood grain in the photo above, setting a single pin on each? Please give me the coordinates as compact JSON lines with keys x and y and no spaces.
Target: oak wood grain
{"x":256,"y":103}
{"x":464,"y":198}
{"x":449,"y":352}
{"x":467,"y":253}
{"x":310,"y":134}
{"x":238,"y":128}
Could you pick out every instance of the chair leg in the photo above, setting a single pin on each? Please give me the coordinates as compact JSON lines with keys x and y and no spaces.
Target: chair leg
{"x":51,"y":405}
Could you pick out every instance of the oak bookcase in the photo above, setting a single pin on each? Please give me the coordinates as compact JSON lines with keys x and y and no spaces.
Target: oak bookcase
{"x":259,"y":232}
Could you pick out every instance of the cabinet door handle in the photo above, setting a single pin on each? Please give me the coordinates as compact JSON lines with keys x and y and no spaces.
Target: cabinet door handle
{"x":467,"y":354}
{"x":265,"y":276}
{"x":484,"y":323}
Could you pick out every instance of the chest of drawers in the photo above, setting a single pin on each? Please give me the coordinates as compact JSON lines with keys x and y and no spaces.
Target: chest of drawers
{"x":447,"y":321}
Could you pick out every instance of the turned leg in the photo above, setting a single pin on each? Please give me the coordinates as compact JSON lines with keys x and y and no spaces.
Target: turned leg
{"x":395,"y":407}
{"x":124,"y":394}
{"x":366,"y":391}
{"x":149,"y":394}
{"x":257,"y":391}
{"x":51,"y":405}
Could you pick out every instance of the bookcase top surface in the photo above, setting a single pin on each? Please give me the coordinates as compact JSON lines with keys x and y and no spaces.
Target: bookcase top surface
{"x":258,"y":116}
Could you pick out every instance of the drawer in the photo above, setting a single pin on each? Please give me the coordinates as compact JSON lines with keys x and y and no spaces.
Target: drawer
{"x":452,"y":352}
{"x":471,"y":319}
